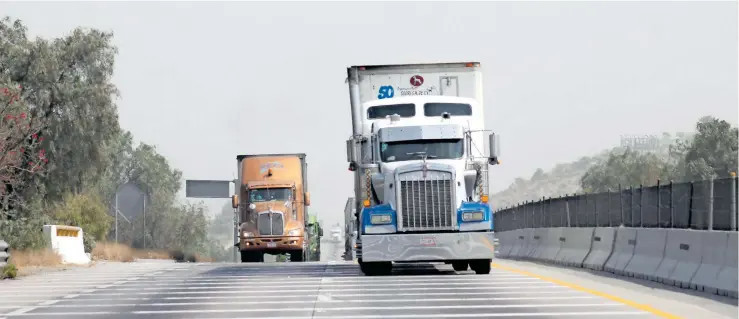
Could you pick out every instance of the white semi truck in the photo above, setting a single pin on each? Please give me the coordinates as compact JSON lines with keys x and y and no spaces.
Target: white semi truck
{"x":418,"y":154}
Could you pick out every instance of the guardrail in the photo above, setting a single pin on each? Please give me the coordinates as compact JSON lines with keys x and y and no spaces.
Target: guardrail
{"x":4,"y":253}
{"x":671,"y":238}
{"x":707,"y":205}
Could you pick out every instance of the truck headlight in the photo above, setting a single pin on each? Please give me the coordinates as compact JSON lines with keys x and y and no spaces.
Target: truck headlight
{"x":247,"y":234}
{"x":294,"y":232}
{"x":474,"y":216}
{"x":380,"y":219}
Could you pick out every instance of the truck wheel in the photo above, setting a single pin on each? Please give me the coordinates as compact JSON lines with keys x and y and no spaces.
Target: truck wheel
{"x":460,"y":265}
{"x":381,"y":268}
{"x":481,"y":266}
{"x":296,"y":256}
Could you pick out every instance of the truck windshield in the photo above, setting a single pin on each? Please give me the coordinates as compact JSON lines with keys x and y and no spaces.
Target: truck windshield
{"x":435,"y":149}
{"x":270,"y":194}
{"x":454,"y":109}
{"x":381,"y":111}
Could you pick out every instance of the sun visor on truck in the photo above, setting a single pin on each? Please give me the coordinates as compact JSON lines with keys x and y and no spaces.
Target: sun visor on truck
{"x":428,"y":132}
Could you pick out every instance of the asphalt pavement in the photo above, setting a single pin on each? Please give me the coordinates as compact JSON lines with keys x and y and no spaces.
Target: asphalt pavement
{"x":328,"y":289}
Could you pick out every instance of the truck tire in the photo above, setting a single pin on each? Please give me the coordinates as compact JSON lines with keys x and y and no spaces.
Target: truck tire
{"x":297,"y":256}
{"x":460,"y":265}
{"x":251,"y":257}
{"x":381,"y":268}
{"x":481,"y":266}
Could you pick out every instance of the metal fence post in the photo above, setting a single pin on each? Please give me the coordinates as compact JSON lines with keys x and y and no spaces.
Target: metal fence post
{"x":732,"y":207}
{"x":610,"y":208}
{"x":567,"y":209}
{"x":690,"y":205}
{"x":659,"y":205}
{"x":672,"y":205}
{"x":641,"y":205}
{"x":621,"y":205}
{"x":595,"y":209}
{"x":709,"y":217}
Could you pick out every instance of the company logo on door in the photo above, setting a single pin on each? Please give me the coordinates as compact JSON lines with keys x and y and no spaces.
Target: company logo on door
{"x":416,"y":88}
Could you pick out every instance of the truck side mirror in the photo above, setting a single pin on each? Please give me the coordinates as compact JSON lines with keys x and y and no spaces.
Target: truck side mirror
{"x":307,"y":198}
{"x":494,"y":143}
{"x":320,"y":232}
{"x":235,"y":201}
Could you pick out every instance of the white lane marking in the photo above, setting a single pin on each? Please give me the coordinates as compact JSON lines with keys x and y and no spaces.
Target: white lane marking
{"x":563,"y":292}
{"x":382,"y":308}
{"x":449,"y":285}
{"x":20,"y":311}
{"x":187,"y":282}
{"x":320,"y":299}
{"x":47,"y":303}
{"x":544,"y":285}
{"x":465,"y":315}
{"x":70,"y":296}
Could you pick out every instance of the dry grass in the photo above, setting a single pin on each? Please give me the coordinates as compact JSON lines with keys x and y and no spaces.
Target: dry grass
{"x":113,"y":251}
{"x":35,"y":258}
{"x":124,"y":253}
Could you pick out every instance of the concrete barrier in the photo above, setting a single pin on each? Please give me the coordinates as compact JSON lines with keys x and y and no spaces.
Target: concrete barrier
{"x":623,"y":251}
{"x":506,"y":240}
{"x":602,"y":246}
{"x":682,"y":257}
{"x":727,"y":276}
{"x":519,"y":243}
{"x":648,"y":253}
{"x":68,"y":243}
{"x":713,"y":257}
{"x":551,"y":244}
{"x":575,"y":247}
{"x":4,"y":253}
{"x":532,"y":241}
{"x":538,"y":244}
{"x":697,"y":259}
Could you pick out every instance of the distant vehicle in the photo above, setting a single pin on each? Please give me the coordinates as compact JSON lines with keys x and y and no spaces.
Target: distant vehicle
{"x":336,"y":234}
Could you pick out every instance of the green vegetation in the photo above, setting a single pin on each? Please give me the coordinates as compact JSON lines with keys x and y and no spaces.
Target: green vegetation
{"x":63,"y":153}
{"x":711,"y":151}
{"x":9,"y":271}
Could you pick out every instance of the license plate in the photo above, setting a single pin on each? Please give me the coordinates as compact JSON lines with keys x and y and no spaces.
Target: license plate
{"x":428,"y":241}
{"x":271,"y":245}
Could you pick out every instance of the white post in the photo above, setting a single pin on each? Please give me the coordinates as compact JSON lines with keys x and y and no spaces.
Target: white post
{"x":116,"y":216}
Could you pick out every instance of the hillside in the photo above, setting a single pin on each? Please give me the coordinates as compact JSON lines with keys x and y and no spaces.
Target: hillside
{"x":565,"y":178}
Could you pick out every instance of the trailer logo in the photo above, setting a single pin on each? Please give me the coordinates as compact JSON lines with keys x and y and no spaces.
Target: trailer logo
{"x":264,"y":167}
{"x":416,"y":80}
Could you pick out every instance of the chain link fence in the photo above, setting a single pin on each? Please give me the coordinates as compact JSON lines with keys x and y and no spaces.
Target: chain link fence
{"x":706,"y":205}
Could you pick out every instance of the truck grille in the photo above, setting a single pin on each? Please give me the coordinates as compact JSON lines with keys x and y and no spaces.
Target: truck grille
{"x":270,"y":224}
{"x":426,"y":204}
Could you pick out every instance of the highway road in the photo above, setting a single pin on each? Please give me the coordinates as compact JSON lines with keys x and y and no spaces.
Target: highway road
{"x":326,"y":289}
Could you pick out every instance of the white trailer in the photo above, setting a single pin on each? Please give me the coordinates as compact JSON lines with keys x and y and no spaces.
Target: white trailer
{"x":420,"y":164}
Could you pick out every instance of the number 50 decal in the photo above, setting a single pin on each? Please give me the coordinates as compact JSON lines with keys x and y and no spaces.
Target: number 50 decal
{"x":386,"y":92}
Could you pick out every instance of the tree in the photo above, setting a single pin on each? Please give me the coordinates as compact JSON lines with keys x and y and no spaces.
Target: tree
{"x":66,"y":83}
{"x":712,"y":153}
{"x":19,"y":142}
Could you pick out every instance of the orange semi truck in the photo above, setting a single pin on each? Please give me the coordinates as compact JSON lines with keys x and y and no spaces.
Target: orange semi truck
{"x":273,"y":206}
{"x":270,"y":202}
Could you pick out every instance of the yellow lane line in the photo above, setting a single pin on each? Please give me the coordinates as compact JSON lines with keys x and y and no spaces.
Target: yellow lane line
{"x":627,"y":302}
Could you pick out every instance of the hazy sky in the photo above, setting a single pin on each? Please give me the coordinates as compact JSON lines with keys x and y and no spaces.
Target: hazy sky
{"x":207,"y":81}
